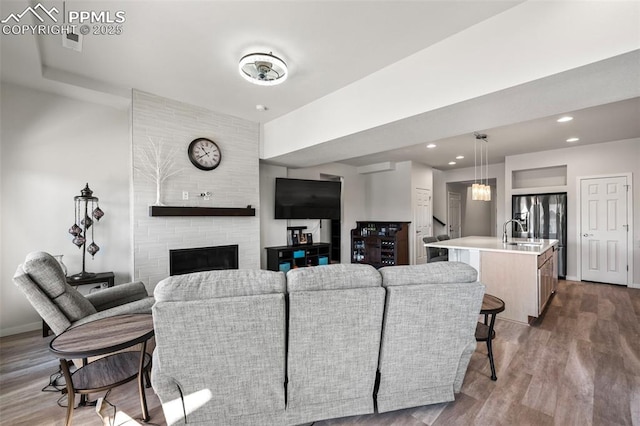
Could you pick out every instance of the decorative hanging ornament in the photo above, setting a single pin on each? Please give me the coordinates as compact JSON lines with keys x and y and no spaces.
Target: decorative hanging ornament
{"x":79,"y":240}
{"x":93,"y":249}
{"x":98,"y":213}
{"x":87,"y":222}
{"x":75,"y":230}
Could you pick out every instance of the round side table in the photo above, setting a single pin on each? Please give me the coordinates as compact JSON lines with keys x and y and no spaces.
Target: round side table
{"x":103,"y":337}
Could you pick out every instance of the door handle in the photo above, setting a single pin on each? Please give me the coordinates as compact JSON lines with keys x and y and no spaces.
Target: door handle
{"x":587,"y":235}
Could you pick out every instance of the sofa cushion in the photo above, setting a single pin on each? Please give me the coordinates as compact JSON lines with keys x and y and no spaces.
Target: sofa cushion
{"x":217,"y":284}
{"x":428,"y":273}
{"x":333,"y":277}
{"x":45,"y":271}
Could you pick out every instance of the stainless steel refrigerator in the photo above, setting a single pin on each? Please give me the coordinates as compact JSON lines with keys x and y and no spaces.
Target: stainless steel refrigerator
{"x":543,"y":216}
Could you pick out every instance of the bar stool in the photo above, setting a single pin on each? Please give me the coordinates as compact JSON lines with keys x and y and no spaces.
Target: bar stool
{"x":491,"y":306}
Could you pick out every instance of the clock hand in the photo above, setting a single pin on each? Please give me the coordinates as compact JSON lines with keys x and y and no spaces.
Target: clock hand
{"x":205,"y":153}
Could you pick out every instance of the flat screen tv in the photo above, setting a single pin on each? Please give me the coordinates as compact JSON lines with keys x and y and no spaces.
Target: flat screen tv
{"x":307,"y":199}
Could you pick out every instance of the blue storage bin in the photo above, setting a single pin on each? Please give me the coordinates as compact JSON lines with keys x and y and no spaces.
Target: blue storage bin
{"x":323,"y":260}
{"x":298,"y":254}
{"x":285,"y":266}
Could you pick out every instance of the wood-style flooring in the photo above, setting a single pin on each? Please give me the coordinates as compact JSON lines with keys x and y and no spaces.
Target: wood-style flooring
{"x":579,"y":365}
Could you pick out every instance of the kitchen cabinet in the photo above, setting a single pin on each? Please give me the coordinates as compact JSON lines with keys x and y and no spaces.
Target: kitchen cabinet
{"x":522,"y":273}
{"x":546,"y":282}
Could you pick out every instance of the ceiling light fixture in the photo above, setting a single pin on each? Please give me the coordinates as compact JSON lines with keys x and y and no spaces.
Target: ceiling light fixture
{"x":459,"y":157}
{"x":451,"y":163}
{"x":481,"y":191}
{"x":573,"y":140}
{"x":431,"y":145}
{"x":564,"y":119}
{"x":263,"y":69}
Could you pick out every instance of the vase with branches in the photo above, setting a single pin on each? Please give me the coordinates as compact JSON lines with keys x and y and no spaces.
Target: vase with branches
{"x":157,"y":165}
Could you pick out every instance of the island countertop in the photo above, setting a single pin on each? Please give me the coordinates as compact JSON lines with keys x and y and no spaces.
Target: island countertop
{"x":518,"y":245}
{"x":523,"y":274}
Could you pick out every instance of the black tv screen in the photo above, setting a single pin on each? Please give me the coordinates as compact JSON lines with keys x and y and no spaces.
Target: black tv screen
{"x":307,"y":199}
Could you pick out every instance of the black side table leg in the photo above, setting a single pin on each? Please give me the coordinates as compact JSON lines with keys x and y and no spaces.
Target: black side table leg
{"x":493,"y":368}
{"x":490,"y":348}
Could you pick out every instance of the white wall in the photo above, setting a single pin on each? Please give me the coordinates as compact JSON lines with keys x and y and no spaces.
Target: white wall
{"x":234,"y":183}
{"x":590,"y":160}
{"x":388,"y":194}
{"x":51,"y":146}
{"x":273,"y":232}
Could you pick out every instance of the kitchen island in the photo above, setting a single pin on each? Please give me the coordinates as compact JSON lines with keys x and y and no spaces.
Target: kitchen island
{"x":522,"y":272}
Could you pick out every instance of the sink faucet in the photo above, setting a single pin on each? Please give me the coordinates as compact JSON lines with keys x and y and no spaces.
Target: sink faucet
{"x":504,"y":229}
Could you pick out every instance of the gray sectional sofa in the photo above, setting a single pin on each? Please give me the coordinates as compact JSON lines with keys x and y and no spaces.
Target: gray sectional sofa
{"x":248,"y":347}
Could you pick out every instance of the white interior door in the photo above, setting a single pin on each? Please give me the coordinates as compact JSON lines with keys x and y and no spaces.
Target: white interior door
{"x":455,"y":215}
{"x":423,"y":221}
{"x":604,"y":229}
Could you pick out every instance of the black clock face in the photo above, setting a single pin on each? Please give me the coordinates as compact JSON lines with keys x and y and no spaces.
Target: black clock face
{"x":204,"y":154}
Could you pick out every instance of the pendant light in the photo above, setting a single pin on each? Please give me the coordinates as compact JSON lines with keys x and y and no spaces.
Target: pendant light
{"x":480,"y":190}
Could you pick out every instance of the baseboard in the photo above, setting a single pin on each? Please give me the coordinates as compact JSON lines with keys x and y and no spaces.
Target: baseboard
{"x":21,"y":329}
{"x":634,"y":285}
{"x":571,"y":278}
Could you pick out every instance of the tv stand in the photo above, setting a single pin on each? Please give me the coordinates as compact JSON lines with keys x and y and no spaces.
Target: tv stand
{"x":284,"y":258}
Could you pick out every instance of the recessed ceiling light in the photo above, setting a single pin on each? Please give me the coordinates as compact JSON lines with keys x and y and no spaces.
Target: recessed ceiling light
{"x":565,"y":119}
{"x":261,"y":107}
{"x":573,"y":139}
{"x":459,"y":157}
{"x":451,"y":163}
{"x":431,"y":145}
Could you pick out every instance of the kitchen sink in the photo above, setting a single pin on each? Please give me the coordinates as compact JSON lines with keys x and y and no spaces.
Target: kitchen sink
{"x":523,"y":243}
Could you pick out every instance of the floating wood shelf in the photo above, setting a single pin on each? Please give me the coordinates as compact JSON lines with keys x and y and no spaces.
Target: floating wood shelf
{"x":201,"y":211}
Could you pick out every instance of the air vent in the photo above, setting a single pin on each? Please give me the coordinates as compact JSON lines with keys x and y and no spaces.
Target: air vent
{"x":72,"y":41}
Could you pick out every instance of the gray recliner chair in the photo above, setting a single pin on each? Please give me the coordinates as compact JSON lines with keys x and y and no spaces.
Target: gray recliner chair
{"x":61,"y":306}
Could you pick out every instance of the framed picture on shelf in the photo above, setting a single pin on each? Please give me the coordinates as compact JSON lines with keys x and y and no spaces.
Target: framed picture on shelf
{"x":303,"y":238}
{"x":294,"y":240}
{"x":309,"y":238}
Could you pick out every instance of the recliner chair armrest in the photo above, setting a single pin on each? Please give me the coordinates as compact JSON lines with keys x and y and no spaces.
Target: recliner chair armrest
{"x":142,"y":306}
{"x":117,"y":295}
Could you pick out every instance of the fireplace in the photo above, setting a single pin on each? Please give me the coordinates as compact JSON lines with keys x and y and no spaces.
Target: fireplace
{"x":185,"y":261}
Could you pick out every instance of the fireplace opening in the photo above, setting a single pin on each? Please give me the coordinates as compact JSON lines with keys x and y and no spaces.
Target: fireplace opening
{"x":185,"y":261}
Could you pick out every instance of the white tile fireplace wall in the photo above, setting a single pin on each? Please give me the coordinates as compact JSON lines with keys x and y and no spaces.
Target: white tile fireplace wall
{"x":235,"y":183}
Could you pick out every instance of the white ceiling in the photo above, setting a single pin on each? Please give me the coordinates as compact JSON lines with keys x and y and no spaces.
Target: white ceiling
{"x":188,"y":51}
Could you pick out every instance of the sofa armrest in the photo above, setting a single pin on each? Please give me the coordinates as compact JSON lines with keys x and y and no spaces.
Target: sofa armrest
{"x":117,"y":295}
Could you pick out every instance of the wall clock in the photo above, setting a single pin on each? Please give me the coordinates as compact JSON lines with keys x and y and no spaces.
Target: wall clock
{"x":204,"y":154}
